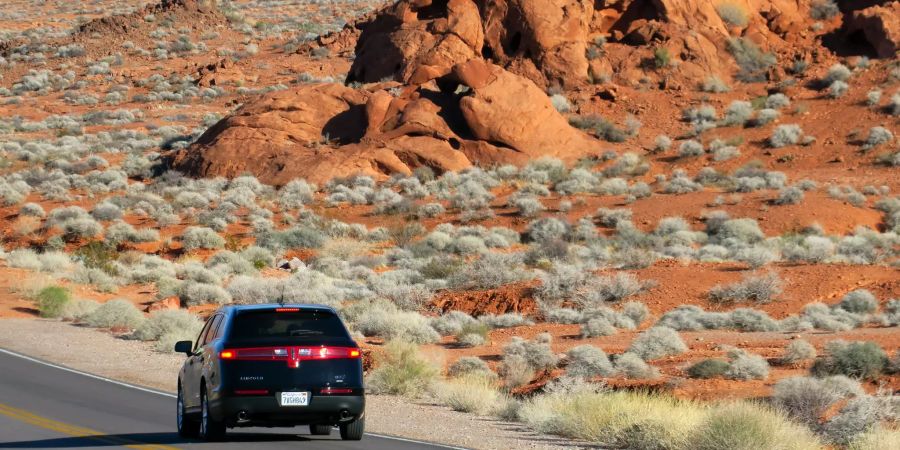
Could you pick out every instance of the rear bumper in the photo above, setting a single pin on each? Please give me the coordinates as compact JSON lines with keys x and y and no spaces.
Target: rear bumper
{"x":264,"y":410}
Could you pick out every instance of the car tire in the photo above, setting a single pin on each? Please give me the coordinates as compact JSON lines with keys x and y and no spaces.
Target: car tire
{"x":187,"y":427}
{"x":353,"y":431}
{"x":210,"y":429}
{"x":320,"y":430}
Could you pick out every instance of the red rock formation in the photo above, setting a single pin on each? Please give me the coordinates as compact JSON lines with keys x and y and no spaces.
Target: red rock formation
{"x":880,"y":25}
{"x":327,"y":130}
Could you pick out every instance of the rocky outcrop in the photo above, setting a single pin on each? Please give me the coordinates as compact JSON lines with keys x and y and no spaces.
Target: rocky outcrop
{"x":482,"y":114}
{"x":879,"y":25}
{"x":553,"y":42}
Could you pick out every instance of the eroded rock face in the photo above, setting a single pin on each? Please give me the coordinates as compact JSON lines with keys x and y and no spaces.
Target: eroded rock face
{"x":880,"y":25}
{"x":419,"y":40}
{"x":323,"y":131}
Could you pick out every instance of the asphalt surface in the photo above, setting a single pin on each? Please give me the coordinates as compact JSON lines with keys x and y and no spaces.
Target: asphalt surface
{"x":47,"y":407}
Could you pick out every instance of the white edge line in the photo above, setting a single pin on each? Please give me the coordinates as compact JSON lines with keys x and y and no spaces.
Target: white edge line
{"x":170,"y":395}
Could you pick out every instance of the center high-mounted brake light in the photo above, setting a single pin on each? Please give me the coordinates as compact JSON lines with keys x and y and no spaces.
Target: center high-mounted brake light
{"x":287,"y":309}
{"x":292,"y":354}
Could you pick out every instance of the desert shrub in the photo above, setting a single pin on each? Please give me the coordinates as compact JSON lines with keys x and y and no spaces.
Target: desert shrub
{"x":587,"y":361}
{"x":32,"y":209}
{"x":749,"y":426}
{"x":537,"y":353}
{"x":859,"y":301}
{"x":106,"y":211}
{"x":118,"y":313}
{"x":878,"y":136}
{"x":385,"y":320}
{"x":613,"y":217}
{"x":823,"y":9}
{"x":613,"y":419}
{"x":894,"y":106}
{"x":755,"y":256}
{"x":469,"y":365}
{"x":505,"y":320}
{"x":738,"y":113}
{"x":615,"y":288}
{"x":471,"y":393}
{"x":732,"y":13}
{"x":201,"y":237}
{"x":690,"y":148}
{"x":657,"y":342}
{"x":490,"y":271}
{"x":863,"y":360}
{"x":597,"y":326}
{"x":193,"y":293}
{"x":837,"y":72}
{"x":858,"y":415}
{"x":837,"y":89}
{"x":785,"y":135}
{"x":708,"y":368}
{"x":714,"y":84}
{"x":169,"y":325}
{"x":753,"y":62}
{"x":24,"y":258}
{"x":878,"y":437}
{"x":516,"y":371}
{"x":662,"y":143}
{"x":52,"y":301}
{"x":560,"y":103}
{"x":681,"y":184}
{"x":806,"y":399}
{"x":402,"y":370}
{"x":777,"y":101}
{"x":631,"y":366}
{"x":451,"y":323}
{"x":873,"y":97}
{"x":472,"y":334}
{"x":789,"y":196}
{"x":755,"y":288}
{"x":604,"y":129}
{"x":746,"y":366}
{"x":78,"y":309}
{"x":798,"y":351}
{"x":636,"y":311}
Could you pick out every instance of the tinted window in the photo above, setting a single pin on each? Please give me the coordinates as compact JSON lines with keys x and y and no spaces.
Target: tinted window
{"x":202,"y":336}
{"x":294,"y":325}
{"x":213,"y":330}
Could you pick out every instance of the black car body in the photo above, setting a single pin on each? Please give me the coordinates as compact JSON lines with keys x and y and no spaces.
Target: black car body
{"x":271,"y":365}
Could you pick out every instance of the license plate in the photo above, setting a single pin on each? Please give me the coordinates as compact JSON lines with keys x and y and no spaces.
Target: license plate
{"x":294,"y":398}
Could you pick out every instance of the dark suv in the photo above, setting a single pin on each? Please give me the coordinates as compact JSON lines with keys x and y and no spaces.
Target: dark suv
{"x":273,"y":366}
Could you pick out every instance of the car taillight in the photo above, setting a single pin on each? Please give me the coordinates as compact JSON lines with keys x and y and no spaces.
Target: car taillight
{"x":294,"y":354}
{"x":335,"y":391}
{"x":257,"y":354}
{"x":313,"y":353}
{"x":251,"y":392}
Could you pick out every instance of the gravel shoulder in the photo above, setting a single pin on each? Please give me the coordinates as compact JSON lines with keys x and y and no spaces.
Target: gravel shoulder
{"x":136,"y":362}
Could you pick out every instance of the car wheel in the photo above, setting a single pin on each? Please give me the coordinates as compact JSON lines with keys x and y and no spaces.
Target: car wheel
{"x":210,"y":429}
{"x":187,"y":427}
{"x":353,"y":431}
{"x":320,"y":430}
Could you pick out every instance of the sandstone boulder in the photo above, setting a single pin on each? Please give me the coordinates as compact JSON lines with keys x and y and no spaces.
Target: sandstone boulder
{"x":323,"y":131}
{"x":880,"y":25}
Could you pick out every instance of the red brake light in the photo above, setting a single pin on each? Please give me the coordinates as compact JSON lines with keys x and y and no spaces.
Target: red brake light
{"x":287,"y":309}
{"x":251,"y":392}
{"x":335,"y":391}
{"x":292,"y":355}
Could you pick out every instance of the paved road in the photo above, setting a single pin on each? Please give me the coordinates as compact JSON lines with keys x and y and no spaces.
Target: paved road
{"x":47,"y":407}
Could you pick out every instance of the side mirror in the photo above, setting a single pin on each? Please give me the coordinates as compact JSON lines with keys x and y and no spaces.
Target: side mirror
{"x":186,"y":347}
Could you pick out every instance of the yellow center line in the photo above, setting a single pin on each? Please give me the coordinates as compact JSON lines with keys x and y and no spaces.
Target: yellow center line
{"x":73,"y":430}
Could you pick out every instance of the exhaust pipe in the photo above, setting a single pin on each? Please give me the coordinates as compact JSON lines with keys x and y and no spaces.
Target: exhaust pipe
{"x":345,"y":415}
{"x":243,"y":417}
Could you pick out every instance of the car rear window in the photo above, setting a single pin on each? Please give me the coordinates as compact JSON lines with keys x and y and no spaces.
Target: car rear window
{"x":292,"y":325}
